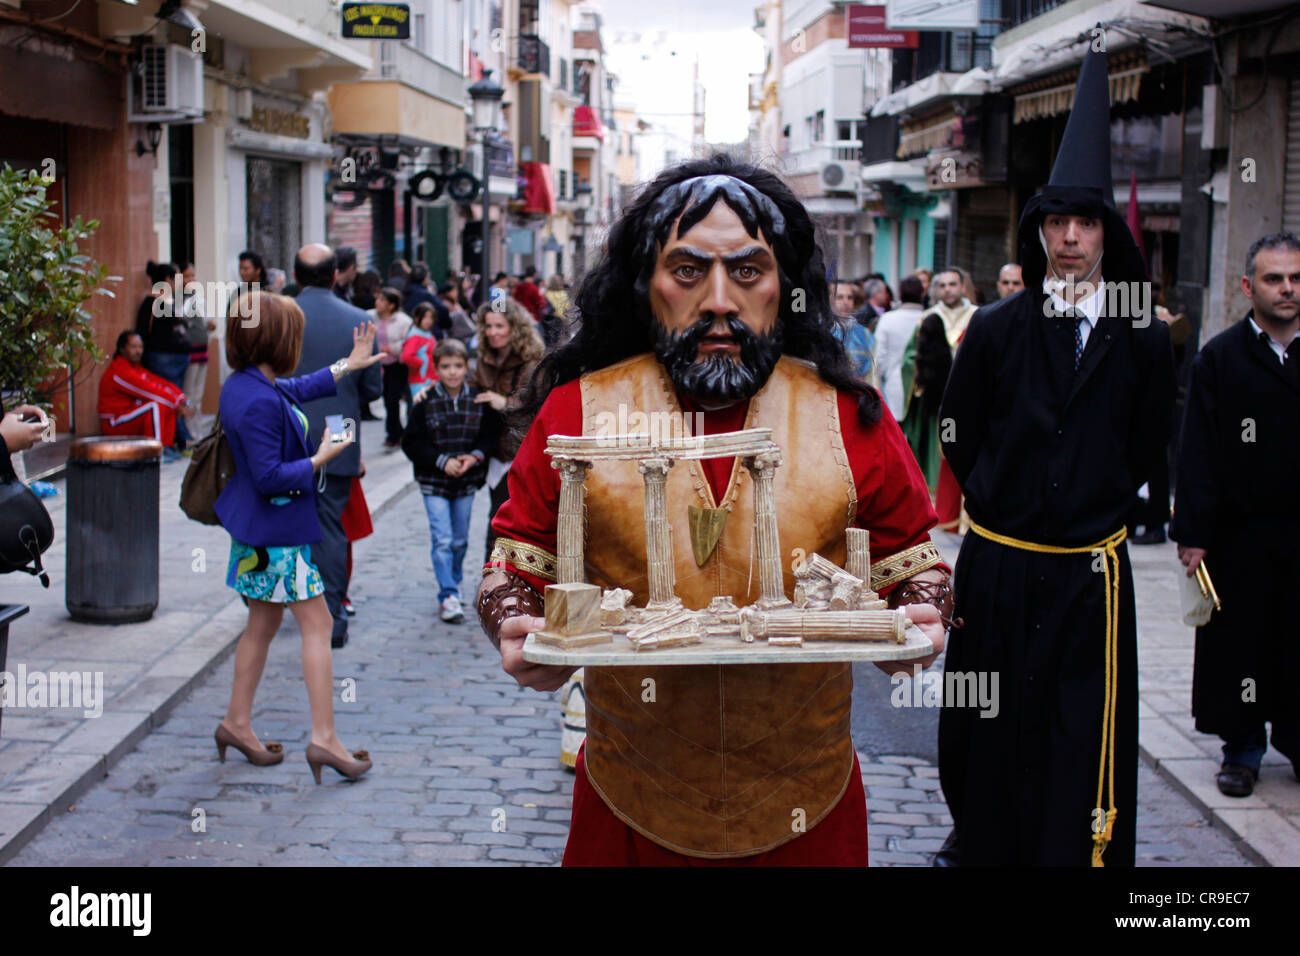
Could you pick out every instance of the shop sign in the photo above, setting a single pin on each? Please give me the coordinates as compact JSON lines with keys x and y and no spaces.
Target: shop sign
{"x":376,"y":21}
{"x":867,"y":30}
{"x":266,"y":119}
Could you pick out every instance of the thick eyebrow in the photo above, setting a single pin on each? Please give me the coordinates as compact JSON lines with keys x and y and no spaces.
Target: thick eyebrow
{"x":749,"y":252}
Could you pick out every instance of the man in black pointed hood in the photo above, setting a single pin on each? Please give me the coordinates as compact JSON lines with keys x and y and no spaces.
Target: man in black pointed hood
{"x":1059,"y":400}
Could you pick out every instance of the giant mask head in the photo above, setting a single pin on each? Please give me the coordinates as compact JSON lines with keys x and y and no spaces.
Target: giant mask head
{"x":715,"y":291}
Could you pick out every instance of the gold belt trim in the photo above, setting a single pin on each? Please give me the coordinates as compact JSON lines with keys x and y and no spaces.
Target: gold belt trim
{"x":1106,"y":772}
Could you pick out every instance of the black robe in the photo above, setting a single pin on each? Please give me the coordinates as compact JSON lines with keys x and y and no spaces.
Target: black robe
{"x":1238,"y":468}
{"x":1053,"y":456}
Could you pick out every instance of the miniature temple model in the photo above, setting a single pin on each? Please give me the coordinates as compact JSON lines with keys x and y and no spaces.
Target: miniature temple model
{"x":830,"y":603}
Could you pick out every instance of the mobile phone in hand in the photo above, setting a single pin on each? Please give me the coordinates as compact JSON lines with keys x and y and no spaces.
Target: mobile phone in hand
{"x":334,"y":423}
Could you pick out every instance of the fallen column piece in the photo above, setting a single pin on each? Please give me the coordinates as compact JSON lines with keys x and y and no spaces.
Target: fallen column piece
{"x":796,"y":625}
{"x":668,"y":630}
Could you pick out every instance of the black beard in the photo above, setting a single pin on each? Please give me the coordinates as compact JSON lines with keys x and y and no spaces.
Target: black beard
{"x":718,"y":377}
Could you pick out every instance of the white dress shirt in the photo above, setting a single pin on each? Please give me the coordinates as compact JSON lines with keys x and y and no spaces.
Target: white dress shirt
{"x":1278,"y":348}
{"x":1089,"y":307}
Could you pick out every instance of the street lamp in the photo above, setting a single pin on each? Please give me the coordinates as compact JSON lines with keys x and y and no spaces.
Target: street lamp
{"x":583,"y":197}
{"x":486,"y":96}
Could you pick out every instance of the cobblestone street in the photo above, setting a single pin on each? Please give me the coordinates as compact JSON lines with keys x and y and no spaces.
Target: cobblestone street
{"x":466,"y":763}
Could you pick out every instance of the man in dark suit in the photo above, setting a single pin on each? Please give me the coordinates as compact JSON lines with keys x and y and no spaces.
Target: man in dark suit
{"x":327,"y":335}
{"x":1238,"y":464}
{"x":346,"y":266}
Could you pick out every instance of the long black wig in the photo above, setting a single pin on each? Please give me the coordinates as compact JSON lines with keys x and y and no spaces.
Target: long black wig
{"x":611,"y":319}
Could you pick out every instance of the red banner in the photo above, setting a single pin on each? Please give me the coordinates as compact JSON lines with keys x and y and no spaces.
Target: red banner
{"x":866,"y":30}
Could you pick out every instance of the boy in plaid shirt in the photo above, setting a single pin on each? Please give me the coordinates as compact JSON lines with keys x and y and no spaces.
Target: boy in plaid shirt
{"x":448,"y":439}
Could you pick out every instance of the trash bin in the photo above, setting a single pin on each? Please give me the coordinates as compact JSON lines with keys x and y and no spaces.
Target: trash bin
{"x":113,"y":529}
{"x":7,"y":613}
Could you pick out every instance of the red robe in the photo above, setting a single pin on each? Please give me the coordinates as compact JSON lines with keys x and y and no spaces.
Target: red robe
{"x":893,"y":503}
{"x":135,"y":402}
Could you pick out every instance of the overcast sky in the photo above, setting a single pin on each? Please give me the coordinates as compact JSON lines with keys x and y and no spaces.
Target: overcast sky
{"x":652,"y":45}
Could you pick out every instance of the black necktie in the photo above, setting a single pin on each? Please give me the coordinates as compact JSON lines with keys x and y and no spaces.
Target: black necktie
{"x":1078,"y":317}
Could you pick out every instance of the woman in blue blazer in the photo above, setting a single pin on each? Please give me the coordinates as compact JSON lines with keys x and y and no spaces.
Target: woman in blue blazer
{"x":269,"y":508}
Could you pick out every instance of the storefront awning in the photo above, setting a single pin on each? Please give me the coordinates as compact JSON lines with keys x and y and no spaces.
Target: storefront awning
{"x":539,"y":193}
{"x":918,"y":137}
{"x":586,"y":122}
{"x":1058,"y":97}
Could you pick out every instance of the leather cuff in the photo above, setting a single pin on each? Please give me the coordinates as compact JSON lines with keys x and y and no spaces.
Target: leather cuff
{"x":938,"y":593}
{"x":502,"y":595}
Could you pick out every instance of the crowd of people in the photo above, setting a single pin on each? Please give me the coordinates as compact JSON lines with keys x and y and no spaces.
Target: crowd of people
{"x":1028,"y":426}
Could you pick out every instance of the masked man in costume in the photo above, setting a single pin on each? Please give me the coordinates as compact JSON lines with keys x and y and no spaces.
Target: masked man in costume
{"x":1060,"y":397}
{"x":711,"y":299}
{"x":927,"y":360}
{"x":1238,"y":464}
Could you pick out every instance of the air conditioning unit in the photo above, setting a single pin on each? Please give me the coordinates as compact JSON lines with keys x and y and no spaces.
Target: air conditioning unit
{"x":833,"y":176}
{"x":167,"y":85}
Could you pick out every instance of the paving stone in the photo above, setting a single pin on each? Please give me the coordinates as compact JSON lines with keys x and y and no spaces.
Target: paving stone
{"x":890,"y":793}
{"x":902,"y":819}
{"x":890,"y":858}
{"x":520,"y":855}
{"x":883,"y":768}
{"x":493,"y":839}
{"x":549,"y":843}
{"x":874,"y":782}
{"x":915,"y":845}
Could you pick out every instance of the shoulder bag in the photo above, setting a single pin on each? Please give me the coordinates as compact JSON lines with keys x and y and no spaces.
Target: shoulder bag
{"x":26,"y":530}
{"x":211,"y":468}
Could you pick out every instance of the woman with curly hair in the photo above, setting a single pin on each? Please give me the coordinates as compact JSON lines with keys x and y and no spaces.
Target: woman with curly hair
{"x":509,"y":348}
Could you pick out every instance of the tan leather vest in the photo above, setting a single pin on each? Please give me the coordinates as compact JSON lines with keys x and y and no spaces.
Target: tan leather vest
{"x":718,"y":761}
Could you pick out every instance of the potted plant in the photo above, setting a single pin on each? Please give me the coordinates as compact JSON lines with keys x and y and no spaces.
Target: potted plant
{"x":46,"y":332}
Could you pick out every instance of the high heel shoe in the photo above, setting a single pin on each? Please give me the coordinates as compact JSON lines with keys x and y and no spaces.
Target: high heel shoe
{"x":318,"y":757}
{"x":272,"y":754}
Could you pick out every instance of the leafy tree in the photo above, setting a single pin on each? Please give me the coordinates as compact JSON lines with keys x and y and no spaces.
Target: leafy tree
{"x":46,"y":333}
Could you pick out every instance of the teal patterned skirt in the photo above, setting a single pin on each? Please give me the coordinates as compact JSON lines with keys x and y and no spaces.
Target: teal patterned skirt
{"x":281,"y":575}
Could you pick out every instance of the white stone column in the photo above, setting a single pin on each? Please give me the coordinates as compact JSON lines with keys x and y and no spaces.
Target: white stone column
{"x":570,"y":528}
{"x":767,"y":545}
{"x":658,"y":544}
{"x":858,"y":561}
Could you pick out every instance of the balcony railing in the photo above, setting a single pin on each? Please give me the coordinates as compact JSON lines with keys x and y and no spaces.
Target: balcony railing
{"x":880,"y":140}
{"x":404,"y":63}
{"x":534,"y":55}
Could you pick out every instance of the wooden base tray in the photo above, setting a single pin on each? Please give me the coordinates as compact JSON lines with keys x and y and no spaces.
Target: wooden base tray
{"x":716,"y":650}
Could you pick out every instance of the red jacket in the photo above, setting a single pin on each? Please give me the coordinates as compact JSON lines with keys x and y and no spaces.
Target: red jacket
{"x":126,"y":387}
{"x":530,"y":297}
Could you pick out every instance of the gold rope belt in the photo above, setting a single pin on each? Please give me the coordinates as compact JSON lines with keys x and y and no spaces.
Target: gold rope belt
{"x":1101,"y":834}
